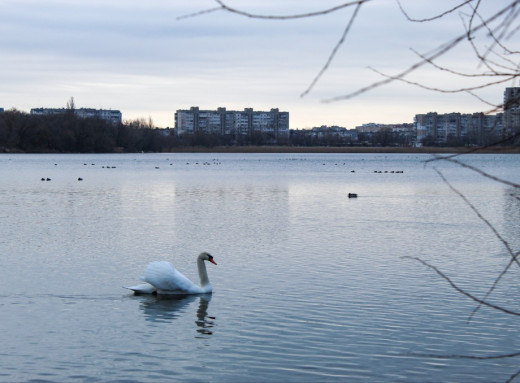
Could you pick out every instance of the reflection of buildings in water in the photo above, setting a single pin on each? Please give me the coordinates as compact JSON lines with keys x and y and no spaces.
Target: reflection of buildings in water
{"x":165,"y":308}
{"x":225,"y":213}
{"x":512,"y":217}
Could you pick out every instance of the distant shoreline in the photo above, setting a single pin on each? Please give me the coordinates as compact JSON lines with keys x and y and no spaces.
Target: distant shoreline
{"x":314,"y":149}
{"x":345,"y":149}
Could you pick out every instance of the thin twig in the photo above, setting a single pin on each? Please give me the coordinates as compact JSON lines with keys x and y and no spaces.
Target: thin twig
{"x":508,"y":13}
{"x":456,"y":356}
{"x":481,"y":172}
{"x":438,"y":52}
{"x":288,"y":17}
{"x":475,"y":210}
{"x":497,"y":40}
{"x":480,"y":148}
{"x":459,"y":90}
{"x":514,"y":257}
{"x":484,"y":101}
{"x":462,"y":291}
{"x":334,"y":51}
{"x":512,"y":377}
{"x":461,"y":74}
{"x":475,"y":12}
{"x":433,"y":17}
{"x":210,"y":10}
{"x":495,"y":283}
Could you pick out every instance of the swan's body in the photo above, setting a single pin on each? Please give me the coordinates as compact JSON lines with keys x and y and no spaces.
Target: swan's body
{"x":163,"y":278}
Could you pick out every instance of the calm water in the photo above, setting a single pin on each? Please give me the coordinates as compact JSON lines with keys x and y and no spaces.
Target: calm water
{"x":310,"y":285}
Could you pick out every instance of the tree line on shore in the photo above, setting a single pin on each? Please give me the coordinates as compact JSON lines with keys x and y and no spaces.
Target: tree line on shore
{"x":68,"y":133}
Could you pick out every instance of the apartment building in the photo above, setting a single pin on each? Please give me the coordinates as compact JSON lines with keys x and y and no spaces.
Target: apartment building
{"x":228,"y":122}
{"x":114,"y":116}
{"x":475,"y":128}
{"x":511,"y":111}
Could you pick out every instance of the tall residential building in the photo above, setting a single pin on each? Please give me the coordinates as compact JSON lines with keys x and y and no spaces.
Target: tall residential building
{"x":114,"y":116}
{"x":228,"y":122}
{"x":476,"y":128}
{"x":511,"y":121}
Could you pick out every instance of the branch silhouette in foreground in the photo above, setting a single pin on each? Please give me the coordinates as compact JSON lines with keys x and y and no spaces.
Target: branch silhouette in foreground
{"x":514,"y":256}
{"x":490,"y":38}
{"x":481,"y":301}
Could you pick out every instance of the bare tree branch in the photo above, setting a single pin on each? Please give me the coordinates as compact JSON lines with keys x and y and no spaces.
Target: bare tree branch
{"x":472,"y":17}
{"x":210,"y":10}
{"x":433,"y":17}
{"x":495,"y":283}
{"x":438,"y":52}
{"x":493,"y":73}
{"x":505,"y":18}
{"x":295,"y":16}
{"x":462,"y":291}
{"x":403,"y":74}
{"x":481,"y":172}
{"x":513,"y":377}
{"x":507,"y":23}
{"x":482,"y":218}
{"x":440,"y":90}
{"x":457,"y":356}
{"x":497,"y":40}
{"x":481,"y":57}
{"x":514,"y":257}
{"x":477,"y":149}
{"x":334,"y":51}
{"x":495,"y":108}
{"x":224,"y":7}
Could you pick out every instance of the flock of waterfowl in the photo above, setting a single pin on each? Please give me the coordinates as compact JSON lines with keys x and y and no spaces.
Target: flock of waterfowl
{"x":217,"y":162}
{"x":205,"y":163}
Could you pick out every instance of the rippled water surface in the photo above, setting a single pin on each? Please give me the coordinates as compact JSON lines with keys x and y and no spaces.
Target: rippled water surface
{"x":310,"y":285}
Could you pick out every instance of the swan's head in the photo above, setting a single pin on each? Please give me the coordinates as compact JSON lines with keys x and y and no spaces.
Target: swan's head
{"x":207,"y":257}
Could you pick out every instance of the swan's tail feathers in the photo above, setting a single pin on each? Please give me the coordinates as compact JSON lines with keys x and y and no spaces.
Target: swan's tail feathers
{"x":144,"y":288}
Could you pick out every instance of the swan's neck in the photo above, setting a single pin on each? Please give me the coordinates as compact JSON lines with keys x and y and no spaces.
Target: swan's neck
{"x":203,"y":274}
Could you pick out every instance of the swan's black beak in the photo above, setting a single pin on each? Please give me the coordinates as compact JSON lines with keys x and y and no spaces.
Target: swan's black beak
{"x":212,"y":261}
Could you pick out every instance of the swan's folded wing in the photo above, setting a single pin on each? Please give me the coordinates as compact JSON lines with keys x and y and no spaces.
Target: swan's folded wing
{"x":164,"y":276}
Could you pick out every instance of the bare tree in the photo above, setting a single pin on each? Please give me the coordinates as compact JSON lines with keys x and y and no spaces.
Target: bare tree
{"x":70,"y":105}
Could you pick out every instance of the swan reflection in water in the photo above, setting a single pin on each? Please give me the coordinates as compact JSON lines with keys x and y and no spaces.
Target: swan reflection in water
{"x":165,"y":308}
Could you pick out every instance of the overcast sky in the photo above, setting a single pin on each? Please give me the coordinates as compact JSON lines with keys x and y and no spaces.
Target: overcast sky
{"x":137,"y":57}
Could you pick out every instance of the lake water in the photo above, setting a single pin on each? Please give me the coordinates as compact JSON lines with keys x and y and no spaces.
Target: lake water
{"x":311,"y":286}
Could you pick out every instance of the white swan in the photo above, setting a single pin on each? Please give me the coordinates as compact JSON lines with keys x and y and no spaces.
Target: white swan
{"x":163,"y":278}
